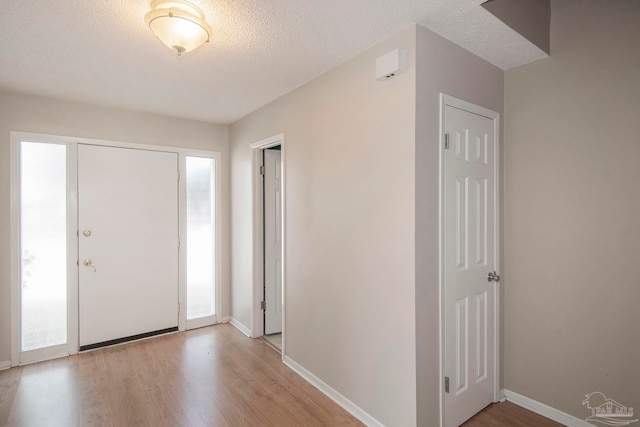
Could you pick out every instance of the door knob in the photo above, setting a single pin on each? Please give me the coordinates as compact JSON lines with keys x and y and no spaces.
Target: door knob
{"x":86,"y":233}
{"x":493,"y":277}
{"x":88,"y":263}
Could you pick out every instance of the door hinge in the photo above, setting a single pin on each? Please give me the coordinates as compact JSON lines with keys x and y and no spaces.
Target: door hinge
{"x":446,"y":141}
{"x":263,"y":170}
{"x":446,"y":384}
{"x":263,"y":305}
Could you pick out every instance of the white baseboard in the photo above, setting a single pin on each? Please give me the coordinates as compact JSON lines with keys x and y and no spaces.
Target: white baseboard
{"x":225,"y":319}
{"x":239,"y":326}
{"x":5,"y":365}
{"x":545,"y":410}
{"x":348,"y":405}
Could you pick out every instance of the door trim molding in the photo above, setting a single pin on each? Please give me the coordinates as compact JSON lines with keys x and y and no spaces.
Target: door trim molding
{"x":72,"y":247}
{"x":257,"y":319}
{"x":447,"y":100}
{"x":14,"y":252}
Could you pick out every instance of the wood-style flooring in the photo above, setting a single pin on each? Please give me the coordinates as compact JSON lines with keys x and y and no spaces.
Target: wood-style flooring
{"x":507,"y":414}
{"x":212,"y":376}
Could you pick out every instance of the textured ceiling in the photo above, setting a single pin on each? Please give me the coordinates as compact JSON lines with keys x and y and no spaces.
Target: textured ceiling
{"x":101,"y":52}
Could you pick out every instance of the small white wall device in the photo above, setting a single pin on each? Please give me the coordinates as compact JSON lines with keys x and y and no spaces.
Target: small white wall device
{"x":391,"y":64}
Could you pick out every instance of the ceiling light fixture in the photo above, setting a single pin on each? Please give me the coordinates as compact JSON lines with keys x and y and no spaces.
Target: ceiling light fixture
{"x":178,"y":24}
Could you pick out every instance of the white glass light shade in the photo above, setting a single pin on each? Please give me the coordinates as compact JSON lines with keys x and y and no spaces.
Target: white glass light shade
{"x":178,"y":24}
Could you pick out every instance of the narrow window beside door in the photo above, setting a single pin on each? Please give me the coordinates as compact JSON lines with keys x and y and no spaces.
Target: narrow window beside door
{"x":200,"y":237}
{"x":43,"y":245}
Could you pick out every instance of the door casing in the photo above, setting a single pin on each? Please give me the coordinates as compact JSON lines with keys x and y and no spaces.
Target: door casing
{"x":472,"y":108}
{"x":72,"y":243}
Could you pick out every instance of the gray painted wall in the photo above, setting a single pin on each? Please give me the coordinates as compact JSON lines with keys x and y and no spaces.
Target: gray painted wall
{"x":572,"y":211}
{"x":362,"y":166}
{"x":349,"y":165}
{"x":48,"y":116}
{"x":570,"y":208}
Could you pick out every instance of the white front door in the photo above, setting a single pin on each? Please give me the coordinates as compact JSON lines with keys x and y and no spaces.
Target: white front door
{"x":128,"y":242}
{"x":469,"y":258}
{"x":272,"y":242}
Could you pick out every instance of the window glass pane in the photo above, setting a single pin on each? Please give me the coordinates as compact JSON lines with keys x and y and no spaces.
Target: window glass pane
{"x":200,"y":237}
{"x":43,"y":240}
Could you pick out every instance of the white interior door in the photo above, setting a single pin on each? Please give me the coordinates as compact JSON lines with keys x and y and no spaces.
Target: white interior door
{"x":272,"y":242}
{"x":128,"y":242}
{"x":470,"y":297}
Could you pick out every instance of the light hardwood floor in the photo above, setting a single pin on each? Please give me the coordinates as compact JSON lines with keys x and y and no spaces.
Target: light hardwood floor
{"x":212,"y":376}
{"x":507,"y":414}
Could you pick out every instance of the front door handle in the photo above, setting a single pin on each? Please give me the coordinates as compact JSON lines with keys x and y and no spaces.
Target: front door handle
{"x":493,"y":277}
{"x":88,"y":263}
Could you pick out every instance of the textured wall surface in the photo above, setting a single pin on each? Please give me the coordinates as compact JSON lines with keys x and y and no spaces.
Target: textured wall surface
{"x":47,"y":116}
{"x":469,"y":25}
{"x":531,"y":18}
{"x":572,"y":211}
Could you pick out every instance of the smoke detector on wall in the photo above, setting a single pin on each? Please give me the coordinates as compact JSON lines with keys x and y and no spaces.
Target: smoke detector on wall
{"x":391,"y":64}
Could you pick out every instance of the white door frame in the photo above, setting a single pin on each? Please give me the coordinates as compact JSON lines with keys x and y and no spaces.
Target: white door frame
{"x":447,"y":100}
{"x":257,"y":321}
{"x":72,"y":240}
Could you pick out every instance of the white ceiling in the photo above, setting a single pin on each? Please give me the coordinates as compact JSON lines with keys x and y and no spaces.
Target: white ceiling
{"x":101,"y":52}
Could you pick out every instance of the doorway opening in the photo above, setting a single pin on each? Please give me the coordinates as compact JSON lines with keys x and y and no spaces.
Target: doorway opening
{"x":272,"y":244}
{"x":268,"y":246}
